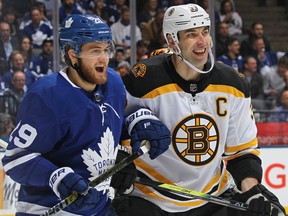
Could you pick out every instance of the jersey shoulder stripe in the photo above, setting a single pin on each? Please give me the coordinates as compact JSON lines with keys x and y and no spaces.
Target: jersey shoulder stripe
{"x":224,"y":75}
{"x":156,"y":76}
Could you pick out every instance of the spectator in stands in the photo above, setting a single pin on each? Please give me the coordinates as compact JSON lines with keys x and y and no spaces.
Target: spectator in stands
{"x":17,"y":63}
{"x":8,"y":43}
{"x":222,"y":37}
{"x":37,"y":30}
{"x":12,"y":97}
{"x":43,"y":64}
{"x":123,"y":68}
{"x":256,"y":31}
{"x":118,"y":57}
{"x":121,"y":30}
{"x":255,"y":81}
{"x":115,"y":10}
{"x":68,"y":7}
{"x":282,"y":109}
{"x":231,"y":17}
{"x":264,"y":57}
{"x":148,"y":12}
{"x":43,"y":13}
{"x":152,"y":31}
{"x":99,"y":8}
{"x":141,"y":50}
{"x":9,"y":16}
{"x":273,"y":82}
{"x":6,"y":126}
{"x":233,"y":57}
{"x":25,"y":48}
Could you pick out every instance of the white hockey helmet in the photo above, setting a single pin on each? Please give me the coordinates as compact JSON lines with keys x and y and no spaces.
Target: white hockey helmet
{"x":182,"y":17}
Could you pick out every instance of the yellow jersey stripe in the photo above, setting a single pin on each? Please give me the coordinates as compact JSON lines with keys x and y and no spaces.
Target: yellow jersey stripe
{"x":225,"y":89}
{"x":251,"y":144}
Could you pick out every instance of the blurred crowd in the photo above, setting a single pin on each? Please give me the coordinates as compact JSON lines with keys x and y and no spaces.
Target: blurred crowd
{"x":26,"y":45}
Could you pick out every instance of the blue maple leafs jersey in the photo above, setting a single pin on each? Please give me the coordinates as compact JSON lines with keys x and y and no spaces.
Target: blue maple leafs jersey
{"x":61,"y":125}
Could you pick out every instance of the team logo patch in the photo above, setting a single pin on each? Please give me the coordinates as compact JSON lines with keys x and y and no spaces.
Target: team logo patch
{"x":195,"y":139}
{"x":139,"y":70}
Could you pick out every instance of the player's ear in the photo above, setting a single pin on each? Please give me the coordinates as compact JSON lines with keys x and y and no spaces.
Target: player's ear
{"x":170,"y":40}
{"x":71,"y":55}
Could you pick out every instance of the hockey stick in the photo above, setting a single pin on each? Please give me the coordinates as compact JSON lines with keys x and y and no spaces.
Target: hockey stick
{"x":192,"y":193}
{"x":3,"y":144}
{"x":145,"y":146}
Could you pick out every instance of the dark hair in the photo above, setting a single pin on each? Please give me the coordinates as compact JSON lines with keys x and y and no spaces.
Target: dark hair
{"x":222,"y":11}
{"x":231,"y":40}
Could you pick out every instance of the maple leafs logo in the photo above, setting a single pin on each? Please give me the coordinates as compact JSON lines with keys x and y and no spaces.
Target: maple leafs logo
{"x":99,"y":163}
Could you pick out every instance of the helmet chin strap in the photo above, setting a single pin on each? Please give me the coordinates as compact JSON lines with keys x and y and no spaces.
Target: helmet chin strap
{"x":77,"y":68}
{"x":211,"y":57}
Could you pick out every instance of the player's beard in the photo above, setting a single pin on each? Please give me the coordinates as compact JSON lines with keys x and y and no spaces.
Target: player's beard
{"x":91,"y":75}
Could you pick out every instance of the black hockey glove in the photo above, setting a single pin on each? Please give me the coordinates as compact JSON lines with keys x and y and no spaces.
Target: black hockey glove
{"x":144,"y":125}
{"x":125,"y":178}
{"x":261,"y":202}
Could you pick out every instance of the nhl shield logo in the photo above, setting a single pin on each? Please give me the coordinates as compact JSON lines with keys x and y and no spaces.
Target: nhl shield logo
{"x":193,"y":87}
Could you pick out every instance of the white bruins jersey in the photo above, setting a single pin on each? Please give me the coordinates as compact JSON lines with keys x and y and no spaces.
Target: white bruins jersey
{"x":210,"y":121}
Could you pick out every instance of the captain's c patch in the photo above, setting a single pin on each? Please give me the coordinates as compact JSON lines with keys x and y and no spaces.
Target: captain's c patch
{"x":139,"y":70}
{"x":195,"y":139}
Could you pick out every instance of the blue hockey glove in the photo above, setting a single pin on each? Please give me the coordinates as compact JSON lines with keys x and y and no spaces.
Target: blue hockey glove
{"x":155,"y":132}
{"x":64,"y":183}
{"x":144,"y":125}
{"x":125,"y":178}
{"x":261,"y":202}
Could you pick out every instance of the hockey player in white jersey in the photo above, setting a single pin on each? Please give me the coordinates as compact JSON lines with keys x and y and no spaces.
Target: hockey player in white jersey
{"x":69,"y":125}
{"x":207,"y":107}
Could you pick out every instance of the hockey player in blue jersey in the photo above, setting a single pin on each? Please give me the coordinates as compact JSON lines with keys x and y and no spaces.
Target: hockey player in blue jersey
{"x":69,"y":125}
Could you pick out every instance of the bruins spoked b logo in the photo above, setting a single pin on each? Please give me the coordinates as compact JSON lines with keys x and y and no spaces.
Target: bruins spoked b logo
{"x":195,"y":139}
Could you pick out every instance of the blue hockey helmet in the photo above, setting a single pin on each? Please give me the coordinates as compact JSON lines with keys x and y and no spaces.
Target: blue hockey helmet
{"x":78,"y":29}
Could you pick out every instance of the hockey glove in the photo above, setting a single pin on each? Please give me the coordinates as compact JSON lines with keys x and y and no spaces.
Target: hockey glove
{"x":66,"y":182}
{"x":124,"y":179}
{"x":261,"y":202}
{"x":155,"y":132}
{"x":144,"y":125}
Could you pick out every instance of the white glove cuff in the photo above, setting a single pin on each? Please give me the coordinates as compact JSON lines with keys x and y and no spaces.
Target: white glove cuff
{"x":137,"y":116}
{"x":56,"y":178}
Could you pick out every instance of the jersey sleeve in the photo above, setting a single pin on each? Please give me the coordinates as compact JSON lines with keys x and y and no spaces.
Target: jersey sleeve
{"x":34,"y":136}
{"x":242,"y":151}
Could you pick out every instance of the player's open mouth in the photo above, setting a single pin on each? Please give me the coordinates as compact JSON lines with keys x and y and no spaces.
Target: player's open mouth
{"x":99,"y":69}
{"x":199,"y":51}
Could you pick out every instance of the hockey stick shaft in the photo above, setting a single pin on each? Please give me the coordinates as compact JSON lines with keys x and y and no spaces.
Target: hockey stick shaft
{"x":117,"y":167}
{"x":3,"y":144}
{"x":192,"y":193}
